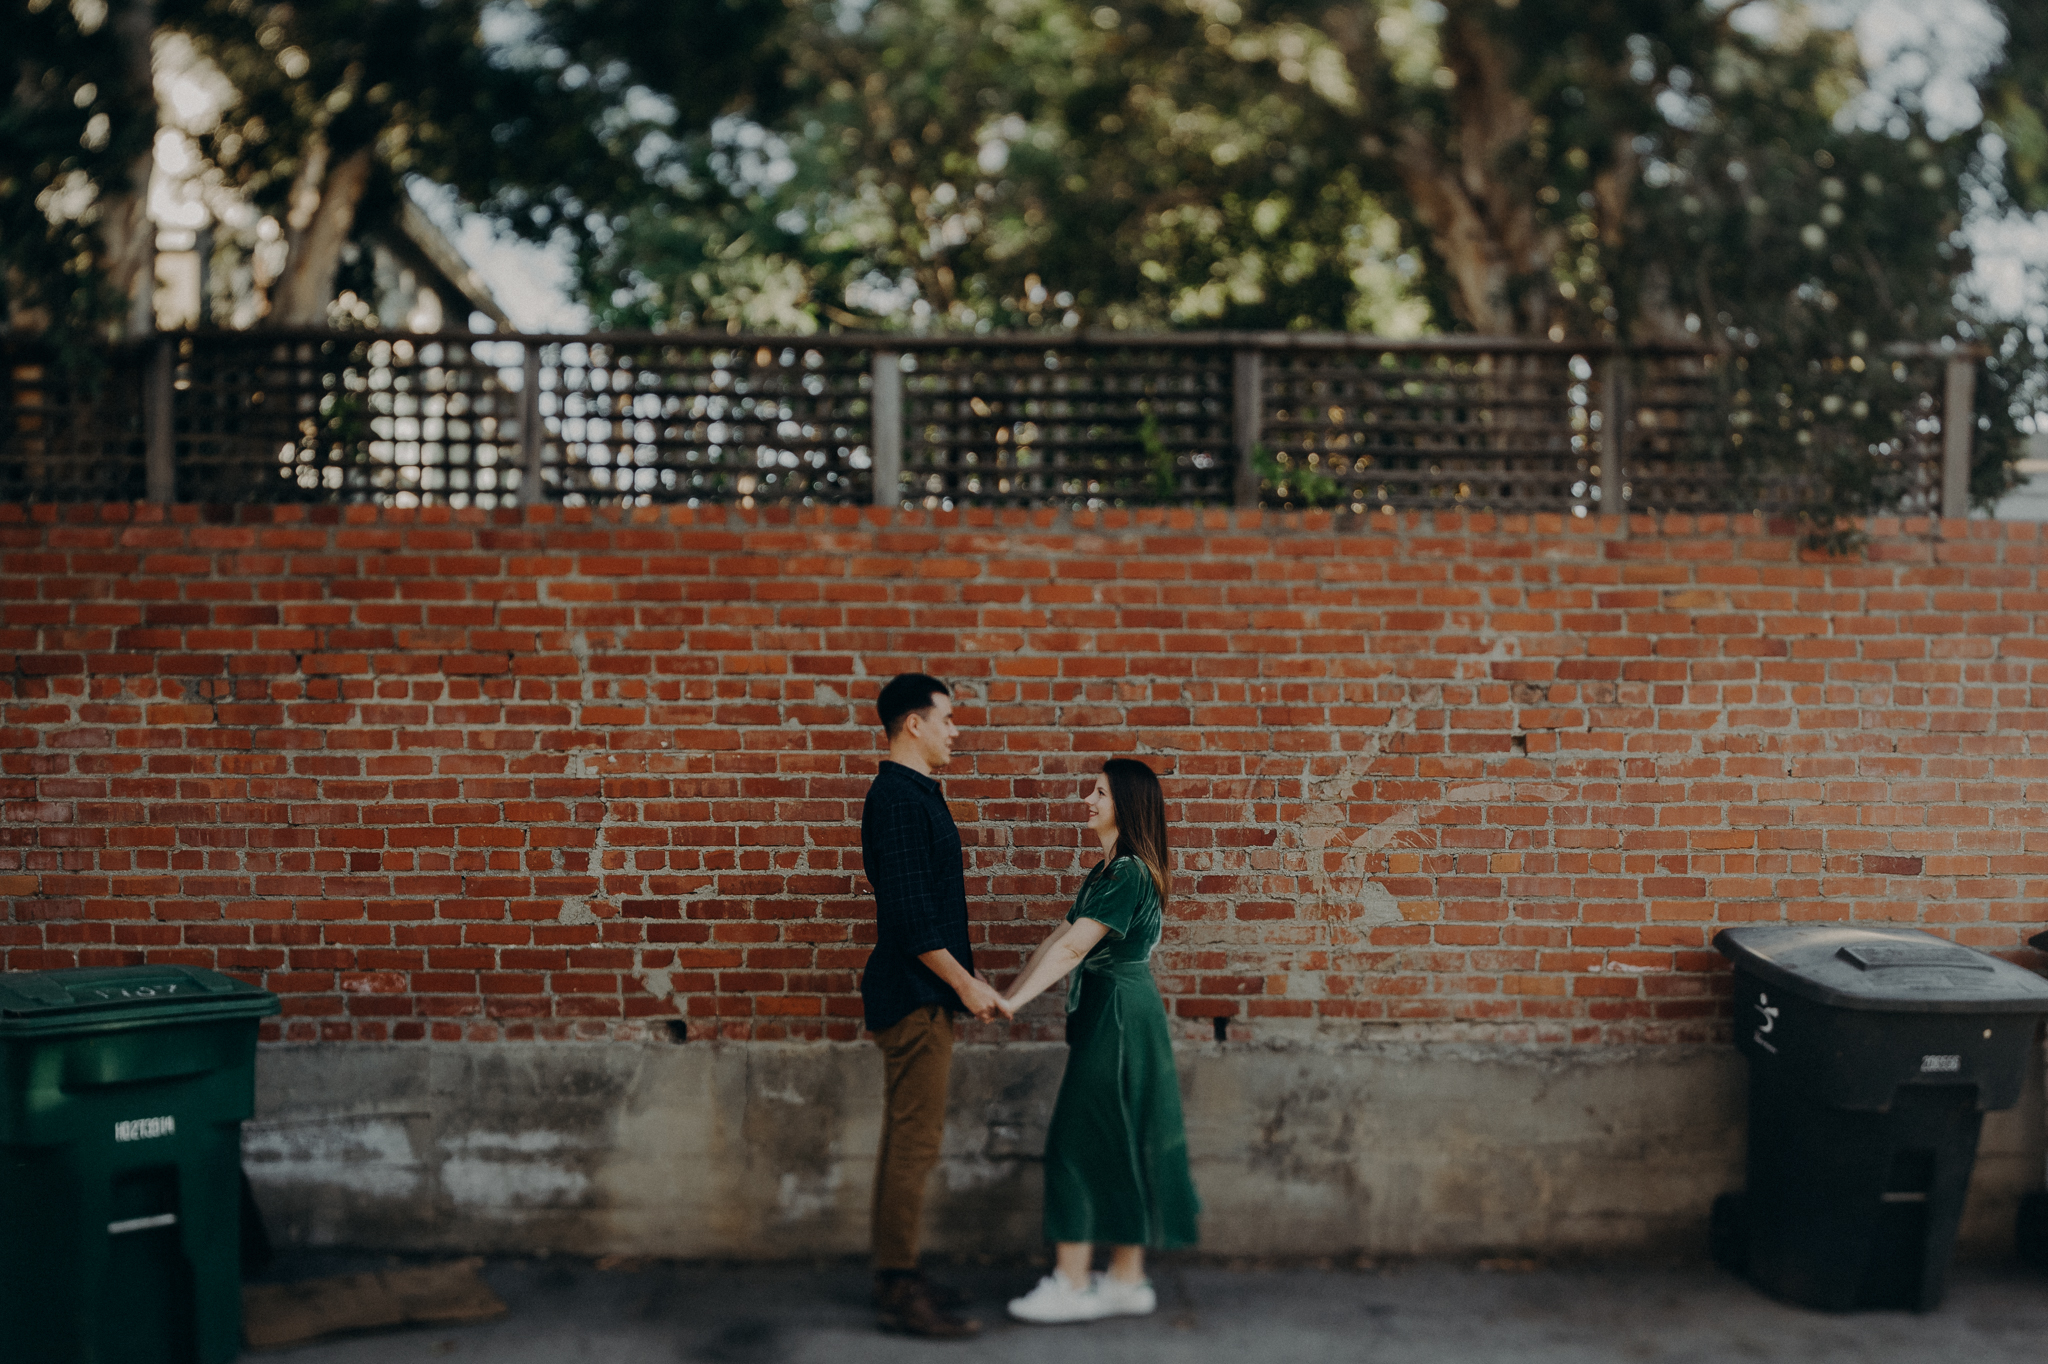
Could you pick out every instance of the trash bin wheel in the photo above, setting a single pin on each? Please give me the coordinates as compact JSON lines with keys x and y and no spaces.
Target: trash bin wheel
{"x":2031,"y":1230}
{"x":1728,"y":1232}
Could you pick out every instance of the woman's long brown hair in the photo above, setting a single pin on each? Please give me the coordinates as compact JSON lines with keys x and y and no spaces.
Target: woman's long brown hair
{"x":1140,"y":819}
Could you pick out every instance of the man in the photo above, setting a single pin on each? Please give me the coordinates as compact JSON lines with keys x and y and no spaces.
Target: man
{"x":920,"y":973}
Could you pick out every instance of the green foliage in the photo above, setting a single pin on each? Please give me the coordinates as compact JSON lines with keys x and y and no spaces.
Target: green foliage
{"x":1810,"y":252}
{"x":1165,"y":473}
{"x":68,"y":140}
{"x":550,"y":116}
{"x":2012,"y":378}
{"x":1649,"y":171}
{"x":966,"y":165}
{"x":559,"y":117}
{"x":1294,"y":481}
{"x":2015,"y":94}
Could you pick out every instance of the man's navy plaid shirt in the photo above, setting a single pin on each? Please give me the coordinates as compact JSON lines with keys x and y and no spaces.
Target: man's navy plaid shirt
{"x":910,"y":848}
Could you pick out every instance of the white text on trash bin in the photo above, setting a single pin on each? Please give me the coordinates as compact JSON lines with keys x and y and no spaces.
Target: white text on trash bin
{"x":1936,"y":1064}
{"x":1769,"y":1013}
{"x":143,"y":1129}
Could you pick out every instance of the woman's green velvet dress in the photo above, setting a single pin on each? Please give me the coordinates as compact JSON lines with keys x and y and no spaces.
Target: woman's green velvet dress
{"x":1116,"y":1156}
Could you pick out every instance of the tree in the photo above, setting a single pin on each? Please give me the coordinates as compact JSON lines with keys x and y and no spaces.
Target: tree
{"x":1646,"y":170}
{"x":2015,"y":93}
{"x":76,"y":137}
{"x":546,"y":114}
{"x":1020,"y":164}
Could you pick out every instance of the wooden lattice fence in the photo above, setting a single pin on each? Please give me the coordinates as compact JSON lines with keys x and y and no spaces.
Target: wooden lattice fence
{"x":1212,"y":419}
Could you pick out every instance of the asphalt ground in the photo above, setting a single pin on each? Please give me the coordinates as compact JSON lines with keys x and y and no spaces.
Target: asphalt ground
{"x":565,"y":1310}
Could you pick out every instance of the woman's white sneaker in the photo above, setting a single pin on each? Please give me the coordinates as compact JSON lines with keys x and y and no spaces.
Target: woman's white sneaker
{"x":1055,"y":1301}
{"x":1122,"y":1299}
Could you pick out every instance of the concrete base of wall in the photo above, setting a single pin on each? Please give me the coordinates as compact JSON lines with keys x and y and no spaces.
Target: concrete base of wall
{"x":765,"y":1151}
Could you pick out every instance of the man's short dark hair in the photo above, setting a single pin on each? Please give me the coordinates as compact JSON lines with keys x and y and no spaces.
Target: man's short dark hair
{"x":907,"y":694}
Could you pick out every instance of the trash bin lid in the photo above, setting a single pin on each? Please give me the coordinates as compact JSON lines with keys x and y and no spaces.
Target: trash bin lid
{"x":124,"y":997}
{"x":1889,"y":970}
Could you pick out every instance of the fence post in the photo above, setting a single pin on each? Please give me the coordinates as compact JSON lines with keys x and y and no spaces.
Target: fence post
{"x":159,"y":435}
{"x":1613,"y":435}
{"x":885,"y":429}
{"x":532,"y":492}
{"x":1247,"y":419}
{"x":1958,"y":432}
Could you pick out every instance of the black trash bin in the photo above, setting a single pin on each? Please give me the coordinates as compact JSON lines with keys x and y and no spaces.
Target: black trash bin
{"x":1874,"y":1054}
{"x":2030,"y":1225}
{"x":122,"y":1094}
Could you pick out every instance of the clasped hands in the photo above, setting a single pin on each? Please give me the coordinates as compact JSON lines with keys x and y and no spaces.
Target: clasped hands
{"x":984,"y":1001}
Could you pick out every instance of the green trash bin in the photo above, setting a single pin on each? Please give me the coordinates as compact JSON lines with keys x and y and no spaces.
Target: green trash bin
{"x":122,"y":1095}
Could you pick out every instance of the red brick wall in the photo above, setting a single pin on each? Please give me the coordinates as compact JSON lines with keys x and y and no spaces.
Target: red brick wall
{"x":579,"y":773}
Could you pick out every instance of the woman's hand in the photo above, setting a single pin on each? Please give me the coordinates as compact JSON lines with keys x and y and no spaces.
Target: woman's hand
{"x":1060,"y":953}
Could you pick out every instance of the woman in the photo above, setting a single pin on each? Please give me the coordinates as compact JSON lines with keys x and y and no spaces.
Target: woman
{"x":1116,"y":1156}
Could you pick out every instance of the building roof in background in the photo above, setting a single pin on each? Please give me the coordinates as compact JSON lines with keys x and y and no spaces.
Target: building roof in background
{"x":414,"y":238}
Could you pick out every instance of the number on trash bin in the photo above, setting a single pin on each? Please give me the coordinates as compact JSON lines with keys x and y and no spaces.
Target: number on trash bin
{"x":143,"y":1129}
{"x":1930,"y":1064}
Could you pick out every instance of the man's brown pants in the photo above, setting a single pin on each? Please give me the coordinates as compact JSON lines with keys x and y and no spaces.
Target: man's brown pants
{"x":917,"y":1060}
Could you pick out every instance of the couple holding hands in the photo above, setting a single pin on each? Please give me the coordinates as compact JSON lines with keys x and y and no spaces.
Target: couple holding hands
{"x":1116,"y":1162}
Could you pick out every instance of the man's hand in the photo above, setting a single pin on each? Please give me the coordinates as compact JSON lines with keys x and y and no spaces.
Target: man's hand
{"x":976,"y":994}
{"x":981,"y":999}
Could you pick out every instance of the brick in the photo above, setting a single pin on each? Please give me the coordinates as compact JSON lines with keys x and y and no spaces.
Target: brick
{"x":571,"y":773}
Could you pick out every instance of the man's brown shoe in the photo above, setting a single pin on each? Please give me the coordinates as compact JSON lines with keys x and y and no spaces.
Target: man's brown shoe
{"x":945,"y":1297}
{"x":907,"y":1307}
